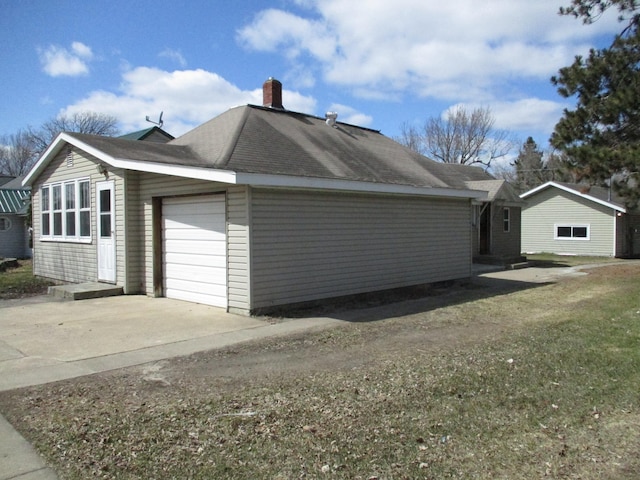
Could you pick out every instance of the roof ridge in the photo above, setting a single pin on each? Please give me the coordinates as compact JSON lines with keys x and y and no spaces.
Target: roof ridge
{"x":285,"y":111}
{"x":235,"y":138}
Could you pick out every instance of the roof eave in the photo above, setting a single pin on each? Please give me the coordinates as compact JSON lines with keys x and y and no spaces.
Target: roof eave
{"x":54,"y":149}
{"x":612,"y":205}
{"x":254,"y":179}
{"x":286,"y":181}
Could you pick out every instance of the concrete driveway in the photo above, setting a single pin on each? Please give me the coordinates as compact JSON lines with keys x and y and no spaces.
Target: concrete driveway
{"x":44,"y":341}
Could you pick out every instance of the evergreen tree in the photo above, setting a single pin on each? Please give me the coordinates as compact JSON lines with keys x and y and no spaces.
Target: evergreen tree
{"x":601,"y":135}
{"x":529,"y":167}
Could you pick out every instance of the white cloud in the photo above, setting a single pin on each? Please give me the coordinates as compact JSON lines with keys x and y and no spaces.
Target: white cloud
{"x":58,"y":61}
{"x":187,"y":98}
{"x":441,"y":49}
{"x":528,"y":115}
{"x":174,"y":55}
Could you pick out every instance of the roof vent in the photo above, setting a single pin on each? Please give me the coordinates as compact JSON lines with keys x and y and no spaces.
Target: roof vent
{"x":331,"y":118}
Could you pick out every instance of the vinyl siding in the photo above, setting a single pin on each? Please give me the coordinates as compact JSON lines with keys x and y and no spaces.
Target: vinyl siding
{"x":309,"y":246}
{"x":69,"y":261}
{"x":134,"y":221}
{"x":238,"y":249}
{"x":551,"y":207}
{"x":505,"y":244}
{"x":13,"y":242}
{"x":153,"y":186}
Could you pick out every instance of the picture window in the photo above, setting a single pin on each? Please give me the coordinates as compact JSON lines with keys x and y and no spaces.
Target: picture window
{"x":66,"y":211}
{"x":572,"y":232}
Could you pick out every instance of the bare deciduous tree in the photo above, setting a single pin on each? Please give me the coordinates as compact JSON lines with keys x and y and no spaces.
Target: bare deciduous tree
{"x":81,"y":122}
{"x":460,"y":137}
{"x":20,"y":151}
{"x":17,"y":154}
{"x":411,"y":137}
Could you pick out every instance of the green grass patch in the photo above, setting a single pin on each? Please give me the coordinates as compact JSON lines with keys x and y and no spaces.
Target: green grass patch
{"x":553,"y":394}
{"x":553,"y":260}
{"x":20,"y":282}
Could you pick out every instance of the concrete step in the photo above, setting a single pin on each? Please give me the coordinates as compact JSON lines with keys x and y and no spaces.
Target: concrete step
{"x":518,"y":266}
{"x":83,"y":291}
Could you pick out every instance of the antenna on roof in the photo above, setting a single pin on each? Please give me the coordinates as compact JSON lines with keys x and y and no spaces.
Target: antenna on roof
{"x":158,"y":123}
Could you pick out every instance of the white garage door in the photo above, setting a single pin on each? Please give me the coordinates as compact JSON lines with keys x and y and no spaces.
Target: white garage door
{"x":194,"y":250}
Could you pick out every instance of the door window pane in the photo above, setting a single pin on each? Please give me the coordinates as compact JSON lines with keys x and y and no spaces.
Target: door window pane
{"x":105,"y":225}
{"x":105,"y":213}
{"x":105,"y":201}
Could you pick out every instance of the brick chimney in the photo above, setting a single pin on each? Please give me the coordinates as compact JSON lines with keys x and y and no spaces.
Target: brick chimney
{"x":272,"y":94}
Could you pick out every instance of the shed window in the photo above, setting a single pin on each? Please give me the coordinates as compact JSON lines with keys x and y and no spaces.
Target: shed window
{"x":572,"y":232}
{"x":5,"y":224}
{"x":506,"y":220}
{"x":66,"y":211}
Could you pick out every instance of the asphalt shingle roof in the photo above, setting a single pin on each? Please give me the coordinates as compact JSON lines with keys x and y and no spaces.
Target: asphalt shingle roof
{"x":261,"y":140}
{"x":255,"y":139}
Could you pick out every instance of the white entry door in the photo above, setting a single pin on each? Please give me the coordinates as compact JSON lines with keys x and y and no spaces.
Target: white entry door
{"x":105,"y":221}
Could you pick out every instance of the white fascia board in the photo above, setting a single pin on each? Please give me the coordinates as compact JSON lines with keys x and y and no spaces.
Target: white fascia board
{"x":198,"y":173}
{"x":44,"y":159}
{"x":538,"y":188}
{"x":284,"y":181}
{"x":575,"y":192}
{"x":254,"y":179}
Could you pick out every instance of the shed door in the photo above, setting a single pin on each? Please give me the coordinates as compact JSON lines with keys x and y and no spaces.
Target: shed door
{"x":194,"y":253}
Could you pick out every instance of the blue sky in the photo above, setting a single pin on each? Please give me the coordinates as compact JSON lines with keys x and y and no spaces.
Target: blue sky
{"x":377,"y":63}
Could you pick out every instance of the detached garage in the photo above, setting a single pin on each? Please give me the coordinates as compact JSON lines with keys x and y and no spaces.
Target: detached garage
{"x":258,"y":208}
{"x":577,"y":219}
{"x":194,"y":249}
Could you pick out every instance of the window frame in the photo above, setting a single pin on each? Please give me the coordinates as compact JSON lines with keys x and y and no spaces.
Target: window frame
{"x":57,"y":206}
{"x":5,"y":224}
{"x":573,"y":227}
{"x":506,"y":219}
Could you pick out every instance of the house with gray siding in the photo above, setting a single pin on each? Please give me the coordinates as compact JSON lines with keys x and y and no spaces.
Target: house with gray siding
{"x":14,"y":229}
{"x":496,"y":219}
{"x":258,"y":208}
{"x":575,"y":219}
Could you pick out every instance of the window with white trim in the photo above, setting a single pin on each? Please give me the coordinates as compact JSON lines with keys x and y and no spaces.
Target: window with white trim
{"x":66,"y":211}
{"x":572,"y":232}
{"x":5,"y":224}
{"x":506,"y":220}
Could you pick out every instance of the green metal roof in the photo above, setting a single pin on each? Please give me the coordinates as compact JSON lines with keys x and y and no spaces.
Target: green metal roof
{"x":14,"y":201}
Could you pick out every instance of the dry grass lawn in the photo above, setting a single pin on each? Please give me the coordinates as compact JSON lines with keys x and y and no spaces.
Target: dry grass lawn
{"x":483,"y":381}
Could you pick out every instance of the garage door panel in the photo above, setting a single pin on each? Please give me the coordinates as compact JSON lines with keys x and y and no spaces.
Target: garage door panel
{"x":205,"y":299}
{"x":195,"y":273}
{"x":196,"y":287}
{"x":194,"y":234}
{"x":194,"y":249}
{"x":192,"y":222}
{"x":218,"y":261}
